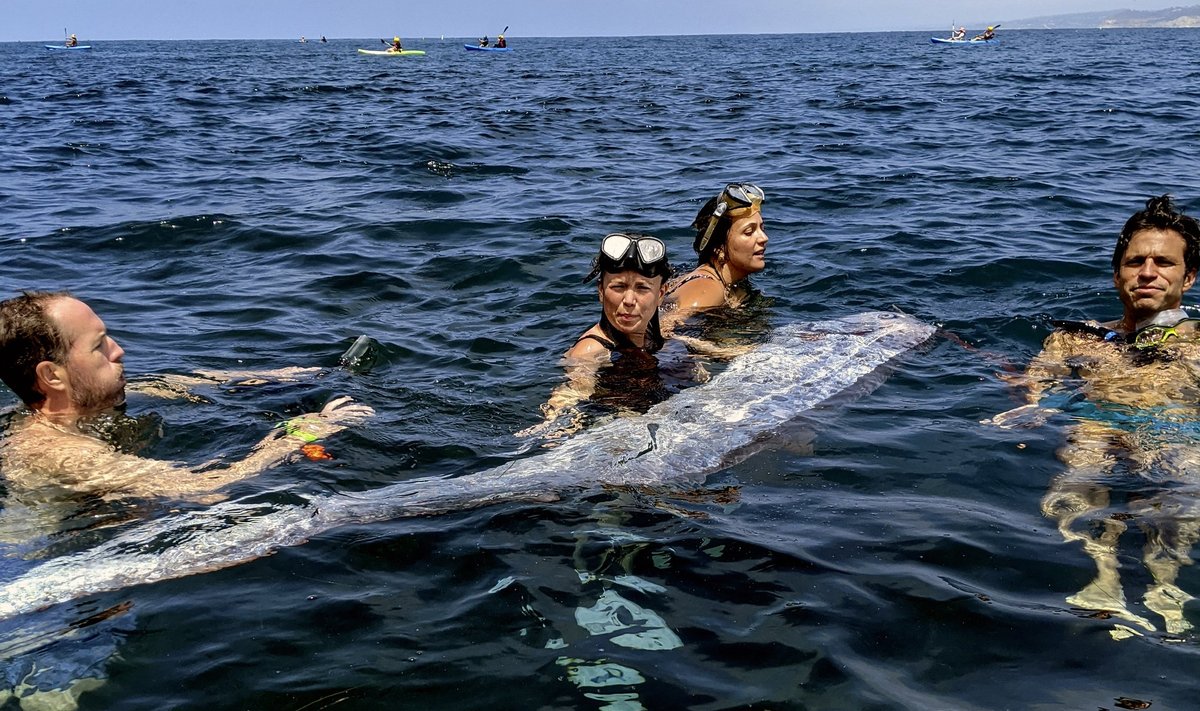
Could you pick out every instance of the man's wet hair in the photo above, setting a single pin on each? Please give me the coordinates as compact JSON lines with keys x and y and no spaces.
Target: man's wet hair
{"x":1161,"y":214}
{"x":27,"y":337}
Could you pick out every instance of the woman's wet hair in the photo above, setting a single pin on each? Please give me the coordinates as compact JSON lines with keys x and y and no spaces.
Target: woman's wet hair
{"x":1160,"y":214}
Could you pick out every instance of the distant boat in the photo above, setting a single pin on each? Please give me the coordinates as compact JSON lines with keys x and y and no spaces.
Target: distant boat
{"x":477,"y":48}
{"x":65,"y":47}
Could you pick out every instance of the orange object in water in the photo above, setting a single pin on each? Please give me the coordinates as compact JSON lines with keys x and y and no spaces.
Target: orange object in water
{"x":315,"y":452}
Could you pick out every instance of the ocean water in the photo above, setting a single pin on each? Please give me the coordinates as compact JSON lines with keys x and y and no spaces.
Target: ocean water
{"x":231,"y":204}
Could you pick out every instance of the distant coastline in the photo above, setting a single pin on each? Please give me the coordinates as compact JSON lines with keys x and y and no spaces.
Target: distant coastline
{"x":1173,"y":17}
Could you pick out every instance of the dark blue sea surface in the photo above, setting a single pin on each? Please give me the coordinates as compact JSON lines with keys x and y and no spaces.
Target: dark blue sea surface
{"x":233,"y":204}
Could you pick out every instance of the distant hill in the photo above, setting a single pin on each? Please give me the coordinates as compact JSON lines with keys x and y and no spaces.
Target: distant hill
{"x":1170,"y":17}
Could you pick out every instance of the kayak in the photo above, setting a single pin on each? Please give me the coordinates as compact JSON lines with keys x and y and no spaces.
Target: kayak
{"x":477,"y":48}
{"x":63,"y":46}
{"x":943,"y":40}
{"x":390,"y":53}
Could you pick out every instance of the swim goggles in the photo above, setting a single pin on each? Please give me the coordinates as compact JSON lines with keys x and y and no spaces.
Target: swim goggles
{"x":1153,"y":336}
{"x":735,"y":196}
{"x":641,"y":253}
{"x":1159,"y":329}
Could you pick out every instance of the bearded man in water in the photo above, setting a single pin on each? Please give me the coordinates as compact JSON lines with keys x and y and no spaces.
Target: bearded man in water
{"x":58,"y":357}
{"x":1132,"y":387}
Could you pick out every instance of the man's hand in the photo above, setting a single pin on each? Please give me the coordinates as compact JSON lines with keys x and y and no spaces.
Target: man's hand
{"x":1023,"y":417}
{"x":336,"y":416}
{"x":554,"y":427}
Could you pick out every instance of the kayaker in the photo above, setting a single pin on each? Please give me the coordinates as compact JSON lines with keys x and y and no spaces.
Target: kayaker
{"x":501,"y":42}
{"x":959,"y":34}
{"x":633,"y":271}
{"x":731,"y":244}
{"x":73,"y":41}
{"x":989,"y":33}
{"x":59,"y":358}
{"x":323,"y":40}
{"x":396,"y":46}
{"x":483,"y":41}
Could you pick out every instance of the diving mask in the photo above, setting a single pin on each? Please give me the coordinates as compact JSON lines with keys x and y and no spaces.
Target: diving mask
{"x":620,"y":251}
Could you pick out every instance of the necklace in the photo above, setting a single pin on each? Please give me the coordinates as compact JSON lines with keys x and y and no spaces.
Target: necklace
{"x":717,"y":273}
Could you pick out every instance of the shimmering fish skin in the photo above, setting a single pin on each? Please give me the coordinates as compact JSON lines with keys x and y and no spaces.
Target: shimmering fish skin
{"x":679,"y":441}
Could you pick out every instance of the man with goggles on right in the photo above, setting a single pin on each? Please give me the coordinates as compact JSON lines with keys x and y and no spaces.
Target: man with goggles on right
{"x":731,"y":244}
{"x":1131,"y":387}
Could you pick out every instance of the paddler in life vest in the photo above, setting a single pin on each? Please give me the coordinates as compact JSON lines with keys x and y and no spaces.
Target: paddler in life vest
{"x":396,"y":46}
{"x":483,"y":41}
{"x":989,"y":33}
{"x":959,"y":34}
{"x":73,"y":42}
{"x":501,"y":42}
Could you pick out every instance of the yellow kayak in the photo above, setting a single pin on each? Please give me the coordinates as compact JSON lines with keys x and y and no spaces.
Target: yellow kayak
{"x":392,"y":53}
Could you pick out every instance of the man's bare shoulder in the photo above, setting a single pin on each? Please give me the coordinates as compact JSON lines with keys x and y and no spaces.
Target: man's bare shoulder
{"x":1085,"y":335}
{"x":37,"y":456}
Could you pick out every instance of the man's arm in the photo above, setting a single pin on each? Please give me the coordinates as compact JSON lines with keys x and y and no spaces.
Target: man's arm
{"x":1047,"y":369}
{"x":86,"y":465}
{"x":171,"y":386}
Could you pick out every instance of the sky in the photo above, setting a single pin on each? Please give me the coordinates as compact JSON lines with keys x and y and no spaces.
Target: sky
{"x":25,"y":20}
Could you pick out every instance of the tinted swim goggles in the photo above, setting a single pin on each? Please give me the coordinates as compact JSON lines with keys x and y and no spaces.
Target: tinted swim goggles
{"x":641,"y":253}
{"x":1156,"y":335}
{"x":735,"y":196}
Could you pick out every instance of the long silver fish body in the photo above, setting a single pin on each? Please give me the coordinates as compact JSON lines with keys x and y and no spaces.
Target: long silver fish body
{"x":678,"y":442}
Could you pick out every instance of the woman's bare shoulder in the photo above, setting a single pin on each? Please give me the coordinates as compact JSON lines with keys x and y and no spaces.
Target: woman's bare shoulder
{"x":589,"y":346}
{"x":697,"y":290}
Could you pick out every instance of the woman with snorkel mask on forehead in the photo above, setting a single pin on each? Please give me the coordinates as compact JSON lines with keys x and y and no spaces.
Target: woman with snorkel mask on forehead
{"x":633,"y":272}
{"x":731,"y":244}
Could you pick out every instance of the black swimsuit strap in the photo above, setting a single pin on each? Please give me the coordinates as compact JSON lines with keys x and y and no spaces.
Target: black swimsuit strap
{"x":599,"y":339}
{"x":711,"y":276}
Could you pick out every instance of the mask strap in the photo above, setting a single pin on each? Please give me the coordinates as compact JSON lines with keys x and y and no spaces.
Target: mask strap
{"x":713,"y":219}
